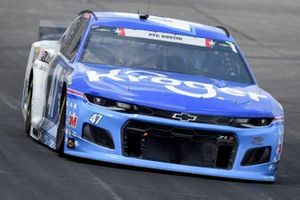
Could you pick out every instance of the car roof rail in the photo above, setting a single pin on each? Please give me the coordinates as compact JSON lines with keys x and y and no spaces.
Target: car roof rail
{"x":224,"y":29}
{"x":90,"y":12}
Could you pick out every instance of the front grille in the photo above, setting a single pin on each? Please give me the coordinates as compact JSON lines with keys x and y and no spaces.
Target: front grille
{"x":194,"y":147}
{"x":220,"y":120}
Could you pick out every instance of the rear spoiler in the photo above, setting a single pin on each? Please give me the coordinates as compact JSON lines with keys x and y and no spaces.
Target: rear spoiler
{"x":52,"y":30}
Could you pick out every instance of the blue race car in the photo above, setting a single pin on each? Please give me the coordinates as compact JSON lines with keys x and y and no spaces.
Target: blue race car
{"x":152,"y":92}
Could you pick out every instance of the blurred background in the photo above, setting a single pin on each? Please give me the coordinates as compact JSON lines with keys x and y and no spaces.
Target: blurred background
{"x":268,"y":31}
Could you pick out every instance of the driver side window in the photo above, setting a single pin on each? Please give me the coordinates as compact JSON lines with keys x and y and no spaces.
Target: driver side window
{"x":72,"y":38}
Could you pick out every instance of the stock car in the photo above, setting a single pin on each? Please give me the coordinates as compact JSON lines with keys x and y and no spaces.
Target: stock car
{"x":151,"y":92}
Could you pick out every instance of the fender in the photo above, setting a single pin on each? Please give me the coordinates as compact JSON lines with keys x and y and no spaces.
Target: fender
{"x":33,"y":56}
{"x":38,"y":63}
{"x":50,"y":71}
{"x":41,"y":72}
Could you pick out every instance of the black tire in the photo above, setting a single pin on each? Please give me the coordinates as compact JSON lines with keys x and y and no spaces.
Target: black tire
{"x":61,"y":127}
{"x":28,"y":113}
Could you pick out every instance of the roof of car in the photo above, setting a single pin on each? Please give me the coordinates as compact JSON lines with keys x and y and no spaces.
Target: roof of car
{"x":160,"y":24}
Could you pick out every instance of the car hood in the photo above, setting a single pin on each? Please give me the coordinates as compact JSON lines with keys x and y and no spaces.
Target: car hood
{"x":175,"y":92}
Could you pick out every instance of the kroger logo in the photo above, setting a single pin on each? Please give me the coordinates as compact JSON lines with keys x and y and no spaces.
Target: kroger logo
{"x":192,"y":88}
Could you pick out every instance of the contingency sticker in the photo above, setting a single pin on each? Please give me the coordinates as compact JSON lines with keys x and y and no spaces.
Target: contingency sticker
{"x":73,"y":119}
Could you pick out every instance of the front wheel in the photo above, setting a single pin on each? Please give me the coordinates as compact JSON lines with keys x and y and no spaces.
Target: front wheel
{"x":60,"y":138}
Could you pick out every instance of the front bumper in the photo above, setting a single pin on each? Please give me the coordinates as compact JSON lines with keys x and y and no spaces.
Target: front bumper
{"x":114,"y":122}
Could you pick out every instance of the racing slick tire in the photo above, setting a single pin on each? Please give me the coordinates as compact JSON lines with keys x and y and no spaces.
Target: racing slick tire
{"x":28,"y":113}
{"x":60,"y":138}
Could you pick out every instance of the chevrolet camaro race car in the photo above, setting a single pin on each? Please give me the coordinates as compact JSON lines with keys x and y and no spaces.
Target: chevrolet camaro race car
{"x":152,"y":92}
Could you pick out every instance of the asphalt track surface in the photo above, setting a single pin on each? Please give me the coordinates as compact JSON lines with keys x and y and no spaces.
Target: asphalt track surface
{"x":267,"y":30}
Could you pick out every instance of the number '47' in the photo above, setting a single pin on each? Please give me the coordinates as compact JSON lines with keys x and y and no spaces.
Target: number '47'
{"x":96,"y":118}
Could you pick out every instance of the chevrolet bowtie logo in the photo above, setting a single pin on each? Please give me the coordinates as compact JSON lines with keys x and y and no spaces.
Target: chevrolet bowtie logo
{"x":184,"y":117}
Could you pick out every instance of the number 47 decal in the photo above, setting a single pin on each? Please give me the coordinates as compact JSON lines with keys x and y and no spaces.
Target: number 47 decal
{"x":96,"y":118}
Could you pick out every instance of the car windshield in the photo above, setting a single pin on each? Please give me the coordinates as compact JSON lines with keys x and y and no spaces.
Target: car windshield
{"x":165,"y":52}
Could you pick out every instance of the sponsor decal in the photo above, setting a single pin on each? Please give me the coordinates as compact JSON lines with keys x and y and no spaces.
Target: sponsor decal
{"x":73,"y":120}
{"x":272,"y":167}
{"x":279,"y":147}
{"x":257,"y":140}
{"x":70,"y":132}
{"x":44,"y":56}
{"x":187,"y":88}
{"x":72,"y":105}
{"x":42,"y":67}
{"x":225,"y":138}
{"x":71,"y":143}
{"x":37,"y":50}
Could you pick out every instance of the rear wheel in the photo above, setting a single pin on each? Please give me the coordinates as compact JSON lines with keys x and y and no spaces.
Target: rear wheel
{"x":28,"y":113}
{"x":60,"y":138}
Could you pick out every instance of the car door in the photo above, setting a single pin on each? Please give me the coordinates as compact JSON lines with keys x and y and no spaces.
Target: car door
{"x":62,"y":66}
